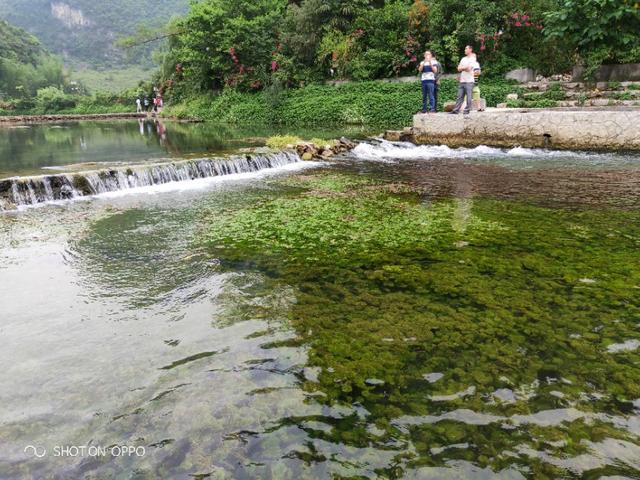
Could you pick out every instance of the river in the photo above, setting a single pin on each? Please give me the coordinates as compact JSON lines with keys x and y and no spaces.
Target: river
{"x":396,"y":312}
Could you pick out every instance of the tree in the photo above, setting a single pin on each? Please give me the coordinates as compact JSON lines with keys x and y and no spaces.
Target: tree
{"x":598,"y":30}
{"x":228,"y":42}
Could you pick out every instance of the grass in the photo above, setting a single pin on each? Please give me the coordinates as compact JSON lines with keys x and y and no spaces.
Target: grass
{"x":114,"y":80}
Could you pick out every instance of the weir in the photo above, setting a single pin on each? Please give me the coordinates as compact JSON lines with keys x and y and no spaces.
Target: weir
{"x":19,"y":191}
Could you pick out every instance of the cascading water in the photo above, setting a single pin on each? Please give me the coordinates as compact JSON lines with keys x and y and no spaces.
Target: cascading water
{"x":19,"y":191}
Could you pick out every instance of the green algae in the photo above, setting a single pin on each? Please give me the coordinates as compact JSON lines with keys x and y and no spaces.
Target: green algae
{"x":496,"y":295}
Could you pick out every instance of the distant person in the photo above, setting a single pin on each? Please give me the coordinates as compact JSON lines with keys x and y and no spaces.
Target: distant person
{"x":466,"y":81}
{"x":428,"y":71}
{"x":146,"y":104}
{"x":138,"y":105}
{"x":160,"y":102}
{"x":438,"y":66}
{"x":155,"y":104}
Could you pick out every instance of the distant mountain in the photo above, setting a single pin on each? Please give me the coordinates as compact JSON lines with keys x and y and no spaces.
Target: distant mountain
{"x":84,"y":31}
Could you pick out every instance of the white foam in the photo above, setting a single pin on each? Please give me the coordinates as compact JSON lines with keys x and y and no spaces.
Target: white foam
{"x":389,"y":151}
{"x":202,"y":183}
{"x":386,"y":151}
{"x":186,"y":185}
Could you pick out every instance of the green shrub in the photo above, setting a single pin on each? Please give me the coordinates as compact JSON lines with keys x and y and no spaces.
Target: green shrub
{"x":624,"y":96}
{"x":52,"y":99}
{"x":362,"y":103}
{"x":555,"y":92}
{"x":539,"y":103}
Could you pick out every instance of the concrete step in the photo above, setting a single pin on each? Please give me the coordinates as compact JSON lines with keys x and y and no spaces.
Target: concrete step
{"x":595,"y":102}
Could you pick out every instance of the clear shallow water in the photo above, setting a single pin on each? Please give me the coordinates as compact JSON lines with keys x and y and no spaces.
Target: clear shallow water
{"x":126,"y":319}
{"x":72,"y":146}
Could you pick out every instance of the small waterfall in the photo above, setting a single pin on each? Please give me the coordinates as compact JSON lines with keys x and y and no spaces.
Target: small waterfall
{"x":33,"y":190}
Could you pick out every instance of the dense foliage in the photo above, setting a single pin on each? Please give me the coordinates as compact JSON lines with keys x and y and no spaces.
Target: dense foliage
{"x":84,"y":30}
{"x":599,"y":30}
{"x":277,"y":44}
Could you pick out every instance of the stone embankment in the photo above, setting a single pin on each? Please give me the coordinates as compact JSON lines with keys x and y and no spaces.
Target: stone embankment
{"x":61,"y":118}
{"x":583,"y":129}
{"x":574,"y":94}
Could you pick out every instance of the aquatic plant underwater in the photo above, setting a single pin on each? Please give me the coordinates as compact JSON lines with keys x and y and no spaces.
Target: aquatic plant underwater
{"x":500,"y":333}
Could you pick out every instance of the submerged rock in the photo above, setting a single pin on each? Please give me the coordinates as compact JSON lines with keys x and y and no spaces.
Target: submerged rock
{"x":374,"y":381}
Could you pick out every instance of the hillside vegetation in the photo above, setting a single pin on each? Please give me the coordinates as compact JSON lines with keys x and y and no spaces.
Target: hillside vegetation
{"x":84,"y":32}
{"x":25,"y":66}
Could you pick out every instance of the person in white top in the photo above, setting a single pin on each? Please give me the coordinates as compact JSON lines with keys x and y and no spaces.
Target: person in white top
{"x":465,"y":88}
{"x":428,"y":69}
{"x":138,"y":105}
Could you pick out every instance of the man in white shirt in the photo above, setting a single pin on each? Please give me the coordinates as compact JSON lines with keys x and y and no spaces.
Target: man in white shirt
{"x":465,"y":88}
{"x":428,"y":70}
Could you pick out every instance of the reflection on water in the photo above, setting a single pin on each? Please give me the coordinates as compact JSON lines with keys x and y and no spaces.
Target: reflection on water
{"x":323,"y":340}
{"x":73,"y":146}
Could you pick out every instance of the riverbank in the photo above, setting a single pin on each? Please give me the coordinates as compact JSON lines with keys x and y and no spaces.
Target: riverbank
{"x":19,"y":119}
{"x":582,"y":129}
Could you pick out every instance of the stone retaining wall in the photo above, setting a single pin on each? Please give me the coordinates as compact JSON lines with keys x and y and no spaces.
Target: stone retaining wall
{"x":594,"y":129}
{"x":60,"y":118}
{"x":609,"y":73}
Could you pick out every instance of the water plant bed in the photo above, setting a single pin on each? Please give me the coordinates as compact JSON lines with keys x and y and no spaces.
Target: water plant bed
{"x":464,"y":328}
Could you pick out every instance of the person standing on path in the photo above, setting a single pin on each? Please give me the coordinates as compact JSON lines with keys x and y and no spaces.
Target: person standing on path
{"x":428,"y":72}
{"x":438,"y":66}
{"x":465,"y":87}
{"x":138,"y":105}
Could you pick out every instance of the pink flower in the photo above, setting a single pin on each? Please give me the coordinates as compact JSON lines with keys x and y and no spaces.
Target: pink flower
{"x":274,"y":66}
{"x":518,"y":24}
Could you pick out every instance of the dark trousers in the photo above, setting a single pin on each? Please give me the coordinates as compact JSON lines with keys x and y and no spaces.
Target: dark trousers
{"x":428,"y":95}
{"x":435,"y":95}
{"x":465,"y":89}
